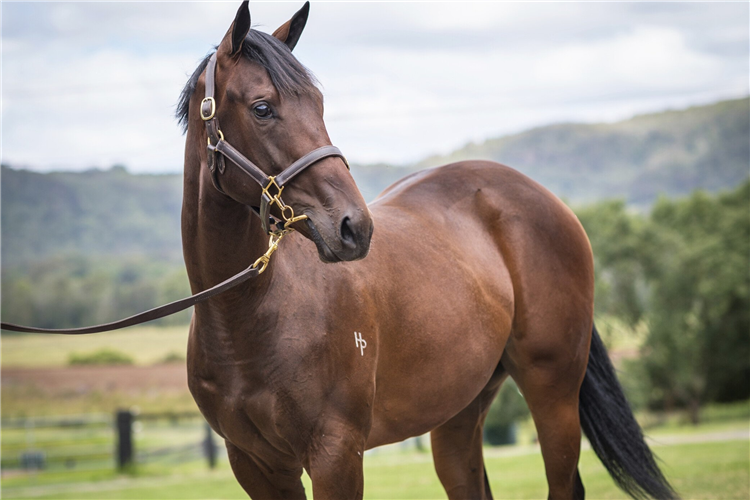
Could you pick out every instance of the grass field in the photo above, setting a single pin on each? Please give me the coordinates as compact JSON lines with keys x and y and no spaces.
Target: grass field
{"x":146,"y":345}
{"x":717,"y":470}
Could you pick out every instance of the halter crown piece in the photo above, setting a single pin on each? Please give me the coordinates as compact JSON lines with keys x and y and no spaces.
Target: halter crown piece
{"x":272,"y":186}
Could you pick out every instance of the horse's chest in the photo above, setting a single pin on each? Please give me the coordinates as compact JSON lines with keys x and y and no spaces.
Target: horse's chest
{"x":248,"y":416}
{"x":214,"y":397}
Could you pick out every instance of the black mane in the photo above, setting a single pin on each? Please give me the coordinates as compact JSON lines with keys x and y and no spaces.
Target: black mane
{"x":288,"y":75}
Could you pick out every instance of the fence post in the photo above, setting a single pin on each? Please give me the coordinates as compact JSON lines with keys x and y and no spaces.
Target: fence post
{"x":209,"y":447}
{"x":124,"y":438}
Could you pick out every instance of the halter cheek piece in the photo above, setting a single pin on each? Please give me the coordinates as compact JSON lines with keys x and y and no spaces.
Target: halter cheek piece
{"x":272,"y":186}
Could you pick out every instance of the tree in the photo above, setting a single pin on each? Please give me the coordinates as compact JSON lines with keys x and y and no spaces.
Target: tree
{"x":697,"y":349}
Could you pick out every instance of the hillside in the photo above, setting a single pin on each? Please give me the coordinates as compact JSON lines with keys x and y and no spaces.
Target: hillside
{"x":672,"y":153}
{"x":114,"y":213}
{"x":91,"y":213}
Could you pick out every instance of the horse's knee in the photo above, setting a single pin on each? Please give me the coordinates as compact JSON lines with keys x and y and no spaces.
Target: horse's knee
{"x":283,"y":483}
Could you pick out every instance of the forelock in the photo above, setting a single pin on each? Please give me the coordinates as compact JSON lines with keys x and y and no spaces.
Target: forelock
{"x":287,"y":74}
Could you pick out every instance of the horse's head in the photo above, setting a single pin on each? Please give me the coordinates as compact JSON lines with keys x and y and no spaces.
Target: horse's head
{"x":271,"y":111}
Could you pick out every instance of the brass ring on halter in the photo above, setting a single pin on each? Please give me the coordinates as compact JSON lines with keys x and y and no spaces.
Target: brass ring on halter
{"x":284,"y":209}
{"x":221,"y":137}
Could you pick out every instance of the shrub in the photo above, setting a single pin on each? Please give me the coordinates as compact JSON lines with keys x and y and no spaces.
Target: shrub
{"x":100,"y":357}
{"x":172,"y":357}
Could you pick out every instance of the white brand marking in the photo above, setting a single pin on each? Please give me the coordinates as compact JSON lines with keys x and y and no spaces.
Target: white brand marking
{"x":360,"y":342}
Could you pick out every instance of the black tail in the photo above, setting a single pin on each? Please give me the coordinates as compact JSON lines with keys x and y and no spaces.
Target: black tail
{"x":614,"y":434}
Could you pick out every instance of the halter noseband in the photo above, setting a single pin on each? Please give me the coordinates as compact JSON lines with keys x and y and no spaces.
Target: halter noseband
{"x":218,"y":148}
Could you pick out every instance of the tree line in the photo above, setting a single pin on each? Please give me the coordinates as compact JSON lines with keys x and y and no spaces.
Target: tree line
{"x":73,"y":290}
{"x":683,"y":270}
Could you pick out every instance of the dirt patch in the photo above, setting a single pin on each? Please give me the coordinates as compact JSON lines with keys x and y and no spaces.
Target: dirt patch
{"x":85,"y":379}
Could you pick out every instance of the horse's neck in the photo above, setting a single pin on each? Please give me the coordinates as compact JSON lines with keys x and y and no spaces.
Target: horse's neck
{"x":220,"y":238}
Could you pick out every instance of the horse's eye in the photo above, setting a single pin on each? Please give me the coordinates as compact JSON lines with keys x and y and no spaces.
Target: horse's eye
{"x":262,"y":110}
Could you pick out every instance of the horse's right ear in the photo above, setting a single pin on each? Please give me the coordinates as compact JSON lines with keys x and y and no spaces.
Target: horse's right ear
{"x":239,"y":29}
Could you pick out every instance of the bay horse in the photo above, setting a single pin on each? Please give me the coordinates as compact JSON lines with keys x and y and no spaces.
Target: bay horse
{"x":473,"y":273}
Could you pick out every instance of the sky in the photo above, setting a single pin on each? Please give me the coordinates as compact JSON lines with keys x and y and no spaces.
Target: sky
{"x":90,"y":85}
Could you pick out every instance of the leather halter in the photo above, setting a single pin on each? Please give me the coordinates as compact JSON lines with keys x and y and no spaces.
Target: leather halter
{"x":218,"y":148}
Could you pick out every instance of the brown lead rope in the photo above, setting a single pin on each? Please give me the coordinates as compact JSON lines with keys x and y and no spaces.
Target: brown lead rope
{"x":173,"y":307}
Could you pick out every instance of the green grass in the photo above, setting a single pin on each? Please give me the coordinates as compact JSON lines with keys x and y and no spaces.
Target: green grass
{"x":145,"y":344}
{"x":698,"y":471}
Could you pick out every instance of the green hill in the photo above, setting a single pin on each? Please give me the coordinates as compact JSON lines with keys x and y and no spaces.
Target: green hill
{"x":91,"y":213}
{"x":672,"y":153}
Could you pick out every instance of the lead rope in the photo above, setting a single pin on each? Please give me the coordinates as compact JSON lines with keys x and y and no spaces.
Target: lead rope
{"x":255,"y":270}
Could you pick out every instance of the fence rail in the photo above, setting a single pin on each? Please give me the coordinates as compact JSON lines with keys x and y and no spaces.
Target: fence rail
{"x":124,"y":440}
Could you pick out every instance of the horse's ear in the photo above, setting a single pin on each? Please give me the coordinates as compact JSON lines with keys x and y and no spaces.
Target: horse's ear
{"x":240,"y":27}
{"x":290,"y":31}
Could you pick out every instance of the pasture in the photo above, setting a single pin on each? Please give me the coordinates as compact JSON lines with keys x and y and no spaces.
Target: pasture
{"x":147,"y":345}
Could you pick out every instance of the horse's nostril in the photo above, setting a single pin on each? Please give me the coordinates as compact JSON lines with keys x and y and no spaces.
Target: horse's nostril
{"x":346,"y":232}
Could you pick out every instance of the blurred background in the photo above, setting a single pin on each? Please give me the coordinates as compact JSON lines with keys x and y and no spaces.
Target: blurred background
{"x":636,"y":114}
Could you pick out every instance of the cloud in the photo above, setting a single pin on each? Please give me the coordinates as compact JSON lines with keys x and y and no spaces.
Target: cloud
{"x":92,"y":84}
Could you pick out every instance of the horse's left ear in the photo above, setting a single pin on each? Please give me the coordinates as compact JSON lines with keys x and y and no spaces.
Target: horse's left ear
{"x":290,"y":31}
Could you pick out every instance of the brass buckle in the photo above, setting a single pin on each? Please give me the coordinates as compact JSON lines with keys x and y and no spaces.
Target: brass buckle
{"x":213,"y":108}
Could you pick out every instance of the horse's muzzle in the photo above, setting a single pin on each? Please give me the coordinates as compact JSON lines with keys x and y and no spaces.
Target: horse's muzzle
{"x":350,"y":241}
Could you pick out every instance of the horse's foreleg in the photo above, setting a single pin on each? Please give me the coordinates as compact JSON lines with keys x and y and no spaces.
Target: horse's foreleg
{"x":457,"y":447}
{"x":335,"y":464}
{"x":262,"y":484}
